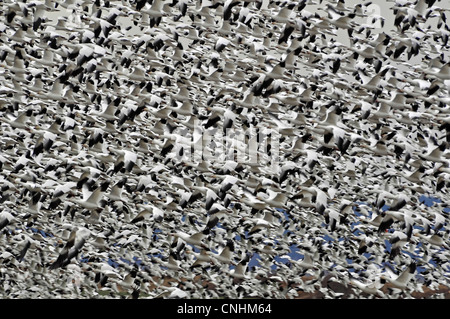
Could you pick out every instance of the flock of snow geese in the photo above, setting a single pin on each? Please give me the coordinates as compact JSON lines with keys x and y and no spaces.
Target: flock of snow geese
{"x":105,"y":192}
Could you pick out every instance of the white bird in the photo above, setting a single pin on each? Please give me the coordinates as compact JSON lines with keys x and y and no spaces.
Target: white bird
{"x":225,"y":256}
{"x":20,"y":122}
{"x":197,"y":239}
{"x":125,"y":162}
{"x":434,"y":239}
{"x":436,"y":155}
{"x":371,"y":288}
{"x":401,"y":281}
{"x":254,"y":202}
{"x":258,"y":224}
{"x":172,"y":293}
{"x":306,"y":263}
{"x":6,"y":218}
{"x":108,"y":113}
{"x":442,"y":74}
{"x":201,"y":258}
{"x":239,"y":271}
{"x":274,"y":199}
{"x":148,"y":212}
{"x":116,"y":193}
{"x":172,"y":264}
{"x":91,"y":200}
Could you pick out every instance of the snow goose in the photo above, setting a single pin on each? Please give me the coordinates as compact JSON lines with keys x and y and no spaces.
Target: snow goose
{"x":6,"y":218}
{"x":201,"y":259}
{"x":91,"y":200}
{"x":44,"y":143}
{"x":397,"y":240}
{"x":20,"y":122}
{"x":182,"y":95}
{"x":442,"y":74}
{"x":253,"y":201}
{"x":389,"y":217}
{"x":108,"y":113}
{"x":373,"y":288}
{"x":172,"y":264}
{"x":284,"y":14}
{"x":315,"y":196}
{"x":156,"y":12}
{"x":274,"y":199}
{"x":186,"y":108}
{"x":436,"y":155}
{"x":77,"y":238}
{"x":239,"y":271}
{"x":117,"y":190}
{"x":306,"y":263}
{"x":435,"y":240}
{"x":172,"y":293}
{"x":26,"y":243}
{"x":197,"y":239}
{"x":401,"y":281}
{"x":55,"y":93}
{"x":148,"y":212}
{"x":226,"y":254}
{"x":125,"y":162}
{"x":415,"y":177}
{"x":258,"y":224}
